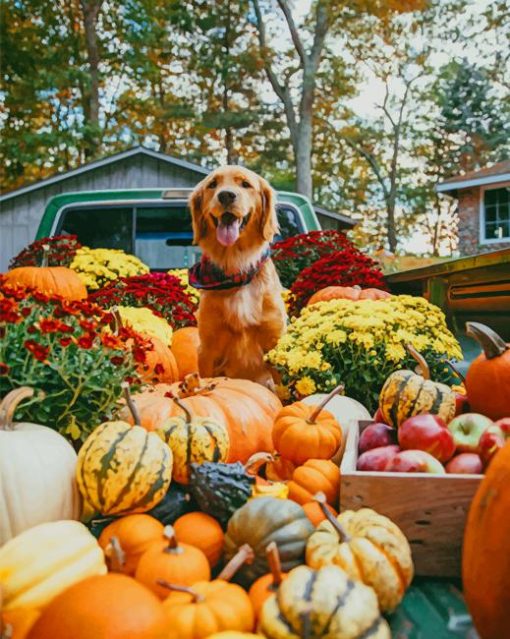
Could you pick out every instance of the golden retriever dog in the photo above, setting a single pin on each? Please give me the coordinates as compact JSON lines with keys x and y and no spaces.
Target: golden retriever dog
{"x":241,"y":312}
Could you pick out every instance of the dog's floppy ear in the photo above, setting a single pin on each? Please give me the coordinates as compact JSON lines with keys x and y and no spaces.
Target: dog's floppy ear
{"x":197,"y":219}
{"x":268,"y":219}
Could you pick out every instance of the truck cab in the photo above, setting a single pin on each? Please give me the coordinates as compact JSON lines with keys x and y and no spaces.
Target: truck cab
{"x":153,"y":224}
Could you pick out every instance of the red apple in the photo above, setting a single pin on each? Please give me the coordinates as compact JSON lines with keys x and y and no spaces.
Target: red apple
{"x":461,"y":404}
{"x":467,"y":430}
{"x":378,"y":416}
{"x":493,"y":439}
{"x":377,"y":458}
{"x":377,"y":435}
{"x":415,"y":461}
{"x":465,"y":463}
{"x":428,"y":433}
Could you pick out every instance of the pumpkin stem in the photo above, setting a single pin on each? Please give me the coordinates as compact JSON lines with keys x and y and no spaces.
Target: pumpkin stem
{"x":422,"y":362}
{"x":173,"y":545}
{"x":254,"y":463}
{"x":131,"y":404}
{"x":115,"y":555}
{"x":244,"y":555}
{"x":183,"y":408}
{"x":456,"y":370}
{"x":320,"y":498}
{"x":10,"y":404}
{"x":336,"y":391}
{"x":192,"y":385}
{"x":44,"y":258}
{"x":492,"y":344}
{"x":117,"y":319}
{"x":275,"y":566}
{"x":196,"y":596}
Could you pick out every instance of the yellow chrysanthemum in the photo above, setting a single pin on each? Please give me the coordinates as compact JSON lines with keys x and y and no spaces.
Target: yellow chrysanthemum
{"x":306,"y":386}
{"x":144,"y":321}
{"x":97,"y":267}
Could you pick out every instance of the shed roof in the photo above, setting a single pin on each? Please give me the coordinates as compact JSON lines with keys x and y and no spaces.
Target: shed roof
{"x":494,"y":174}
{"x":95,"y":164}
{"x":340,"y":217}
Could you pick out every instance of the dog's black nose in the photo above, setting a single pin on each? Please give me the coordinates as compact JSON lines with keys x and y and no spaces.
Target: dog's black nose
{"x":226,"y":197}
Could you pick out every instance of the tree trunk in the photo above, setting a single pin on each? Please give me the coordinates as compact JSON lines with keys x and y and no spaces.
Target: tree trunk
{"x":90,"y":9}
{"x":302,"y":146}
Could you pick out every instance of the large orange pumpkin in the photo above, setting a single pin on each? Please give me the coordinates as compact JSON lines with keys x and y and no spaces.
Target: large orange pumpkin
{"x":314,"y":476}
{"x":303,"y":432}
{"x":113,"y":606}
{"x":488,"y":377}
{"x":202,"y":531}
{"x":246,"y":409}
{"x":171,"y":561}
{"x":53,"y":280}
{"x":185,"y":343}
{"x":354,"y":293}
{"x":135,"y":533}
{"x":486,"y":550}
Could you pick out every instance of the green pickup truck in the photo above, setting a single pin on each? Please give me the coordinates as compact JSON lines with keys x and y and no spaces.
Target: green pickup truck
{"x":154,"y":224}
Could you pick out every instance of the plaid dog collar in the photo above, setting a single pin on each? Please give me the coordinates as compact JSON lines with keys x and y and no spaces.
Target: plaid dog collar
{"x":207,"y":275}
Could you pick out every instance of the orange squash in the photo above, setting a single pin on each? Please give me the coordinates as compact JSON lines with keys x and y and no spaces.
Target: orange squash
{"x":202,"y":531}
{"x":315,"y":513}
{"x":160,"y":364}
{"x":135,"y":533}
{"x":486,"y":550}
{"x":267,"y":585}
{"x":246,"y":409}
{"x":113,"y":606}
{"x":15,"y":624}
{"x":185,"y":344}
{"x":488,"y":377}
{"x":303,"y":432}
{"x":314,"y":476}
{"x":207,"y":608}
{"x":354,"y":293}
{"x":171,"y":561}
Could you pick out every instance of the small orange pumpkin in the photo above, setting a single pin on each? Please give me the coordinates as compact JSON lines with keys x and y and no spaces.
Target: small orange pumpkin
{"x":185,"y":344}
{"x":315,"y":513}
{"x":202,"y":531}
{"x":302,"y":432}
{"x":267,"y":585}
{"x":171,"y":561}
{"x":488,"y":377}
{"x":314,"y":476}
{"x":160,"y":364}
{"x":279,"y":469}
{"x":135,"y":534}
{"x":354,"y":293}
{"x":16,"y":624}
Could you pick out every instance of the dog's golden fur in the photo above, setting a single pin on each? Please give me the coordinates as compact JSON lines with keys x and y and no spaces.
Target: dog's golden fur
{"x":237,"y":326}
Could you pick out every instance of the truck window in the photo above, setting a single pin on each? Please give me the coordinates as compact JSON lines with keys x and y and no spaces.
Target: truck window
{"x":164,"y":237}
{"x":107,"y":227}
{"x":289,"y":221}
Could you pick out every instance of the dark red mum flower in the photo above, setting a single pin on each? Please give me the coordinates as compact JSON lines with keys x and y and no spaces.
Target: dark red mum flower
{"x":39,"y":351}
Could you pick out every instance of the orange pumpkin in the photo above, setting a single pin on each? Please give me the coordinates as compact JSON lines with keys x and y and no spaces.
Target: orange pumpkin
{"x":135,"y":533}
{"x":246,"y":409}
{"x":171,"y":561}
{"x":202,"y":531}
{"x":267,"y":585}
{"x":354,"y":293}
{"x":207,"y":608}
{"x":486,"y":550}
{"x":52,"y":280}
{"x":488,"y":378}
{"x":303,"y":432}
{"x":279,"y":469}
{"x":15,"y":624}
{"x":314,"y":476}
{"x":185,"y":344}
{"x":160,"y":364}
{"x":112,"y":605}
{"x":315,"y":513}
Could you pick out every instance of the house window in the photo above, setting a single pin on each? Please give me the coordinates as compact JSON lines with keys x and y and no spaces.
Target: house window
{"x":496,"y":204}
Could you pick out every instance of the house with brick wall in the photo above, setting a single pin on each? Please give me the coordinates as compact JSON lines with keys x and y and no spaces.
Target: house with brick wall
{"x":483,"y":208}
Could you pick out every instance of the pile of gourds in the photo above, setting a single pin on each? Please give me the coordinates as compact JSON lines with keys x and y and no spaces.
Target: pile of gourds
{"x":187,"y":538}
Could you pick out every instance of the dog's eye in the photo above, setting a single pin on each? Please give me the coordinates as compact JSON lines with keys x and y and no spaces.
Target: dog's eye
{"x":212,"y":185}
{"x":245,"y":184}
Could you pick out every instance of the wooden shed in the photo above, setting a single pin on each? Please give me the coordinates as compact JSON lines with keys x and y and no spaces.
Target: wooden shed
{"x":21,"y":210}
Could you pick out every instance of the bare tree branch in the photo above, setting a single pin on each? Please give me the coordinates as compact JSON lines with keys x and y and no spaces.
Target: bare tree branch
{"x":294,"y":34}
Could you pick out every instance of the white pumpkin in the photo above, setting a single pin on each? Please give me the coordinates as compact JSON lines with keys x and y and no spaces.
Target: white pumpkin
{"x":37,"y":473}
{"x":348,"y":413}
{"x":42,"y":562}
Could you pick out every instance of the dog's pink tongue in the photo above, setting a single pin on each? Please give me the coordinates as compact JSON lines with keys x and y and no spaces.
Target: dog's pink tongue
{"x":227,"y":234}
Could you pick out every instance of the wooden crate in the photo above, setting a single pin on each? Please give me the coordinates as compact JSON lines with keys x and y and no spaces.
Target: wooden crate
{"x":430,"y":509}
